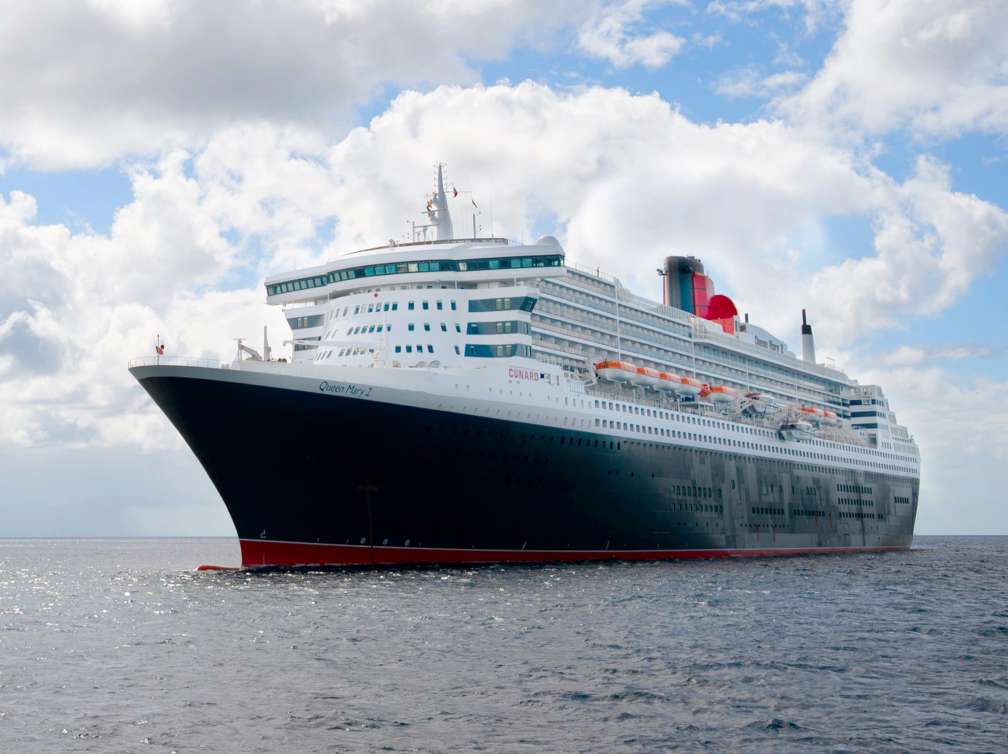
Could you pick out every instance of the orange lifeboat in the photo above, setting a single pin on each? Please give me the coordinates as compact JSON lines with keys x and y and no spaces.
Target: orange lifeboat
{"x":666,"y":382}
{"x":819,"y":415}
{"x":616,"y":371}
{"x":686,"y":385}
{"x":646,"y":377}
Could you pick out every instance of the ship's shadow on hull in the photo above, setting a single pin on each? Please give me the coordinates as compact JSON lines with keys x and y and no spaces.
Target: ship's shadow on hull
{"x":314,"y":479}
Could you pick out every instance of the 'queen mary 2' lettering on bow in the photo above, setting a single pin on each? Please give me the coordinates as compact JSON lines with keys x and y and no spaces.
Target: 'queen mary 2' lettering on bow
{"x":344,"y":388}
{"x":519,"y":373}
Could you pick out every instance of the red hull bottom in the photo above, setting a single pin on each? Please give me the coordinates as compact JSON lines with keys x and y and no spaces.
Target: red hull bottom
{"x":257,"y":553}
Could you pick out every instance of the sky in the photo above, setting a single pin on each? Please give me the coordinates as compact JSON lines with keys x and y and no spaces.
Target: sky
{"x":160,"y":158}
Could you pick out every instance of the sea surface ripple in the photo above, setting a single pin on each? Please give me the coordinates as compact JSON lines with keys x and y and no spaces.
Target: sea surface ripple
{"x":118,"y":645}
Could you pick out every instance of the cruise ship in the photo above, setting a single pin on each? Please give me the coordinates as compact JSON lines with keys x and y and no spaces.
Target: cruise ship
{"x":467,"y":400}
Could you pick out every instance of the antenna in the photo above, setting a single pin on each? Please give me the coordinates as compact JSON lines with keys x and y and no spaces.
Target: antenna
{"x":442,"y":217}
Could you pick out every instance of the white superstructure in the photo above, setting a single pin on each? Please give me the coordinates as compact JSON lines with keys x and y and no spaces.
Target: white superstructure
{"x":504,"y":313}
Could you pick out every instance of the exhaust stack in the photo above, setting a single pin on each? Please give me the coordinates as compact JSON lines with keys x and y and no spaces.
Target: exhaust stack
{"x":807,"y":341}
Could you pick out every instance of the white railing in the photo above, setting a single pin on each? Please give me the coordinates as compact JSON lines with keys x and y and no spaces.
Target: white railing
{"x":592,"y":271}
{"x":177,"y":361}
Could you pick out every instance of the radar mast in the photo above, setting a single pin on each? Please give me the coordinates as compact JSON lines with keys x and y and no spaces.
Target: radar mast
{"x":441,"y":215}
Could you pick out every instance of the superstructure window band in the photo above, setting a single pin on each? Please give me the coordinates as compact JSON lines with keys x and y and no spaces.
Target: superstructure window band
{"x":519,"y":303}
{"x":499,"y":352}
{"x":400,"y":268}
{"x":497,"y":328}
{"x":303,"y":323}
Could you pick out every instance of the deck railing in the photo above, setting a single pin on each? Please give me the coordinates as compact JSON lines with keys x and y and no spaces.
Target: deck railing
{"x":177,"y":361}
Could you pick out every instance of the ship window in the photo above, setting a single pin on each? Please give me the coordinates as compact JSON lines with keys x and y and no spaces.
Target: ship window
{"x":395,"y":306}
{"x":430,"y":348}
{"x":440,"y":306}
{"x":411,"y":306}
{"x":458,"y":328}
{"x":410,"y":327}
{"x":385,"y":307}
{"x":426,"y":326}
{"x":444,"y":327}
{"x":398,"y":349}
{"x":409,"y":349}
{"x":425,"y":305}
{"x":453,"y":306}
{"x":497,"y":351}
{"x":456,"y":350}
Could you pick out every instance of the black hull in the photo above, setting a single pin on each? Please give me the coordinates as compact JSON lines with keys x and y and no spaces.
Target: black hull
{"x":319,"y":478}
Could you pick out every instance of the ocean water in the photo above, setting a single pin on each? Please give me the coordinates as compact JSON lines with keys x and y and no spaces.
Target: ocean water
{"x":119,"y":645}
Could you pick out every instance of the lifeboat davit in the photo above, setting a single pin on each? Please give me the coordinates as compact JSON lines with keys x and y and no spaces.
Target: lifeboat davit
{"x":617,"y":371}
{"x":719,"y":394}
{"x":686,"y":385}
{"x":666,"y":382}
{"x":646,"y":377}
{"x":797,"y":430}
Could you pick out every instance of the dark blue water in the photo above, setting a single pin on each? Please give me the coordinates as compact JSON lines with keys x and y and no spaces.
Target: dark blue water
{"x":117,"y":645}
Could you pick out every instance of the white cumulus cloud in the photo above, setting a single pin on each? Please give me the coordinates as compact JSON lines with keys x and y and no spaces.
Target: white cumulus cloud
{"x":934,"y":66}
{"x":87,"y":83}
{"x":748,"y":82}
{"x":614,"y":33}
